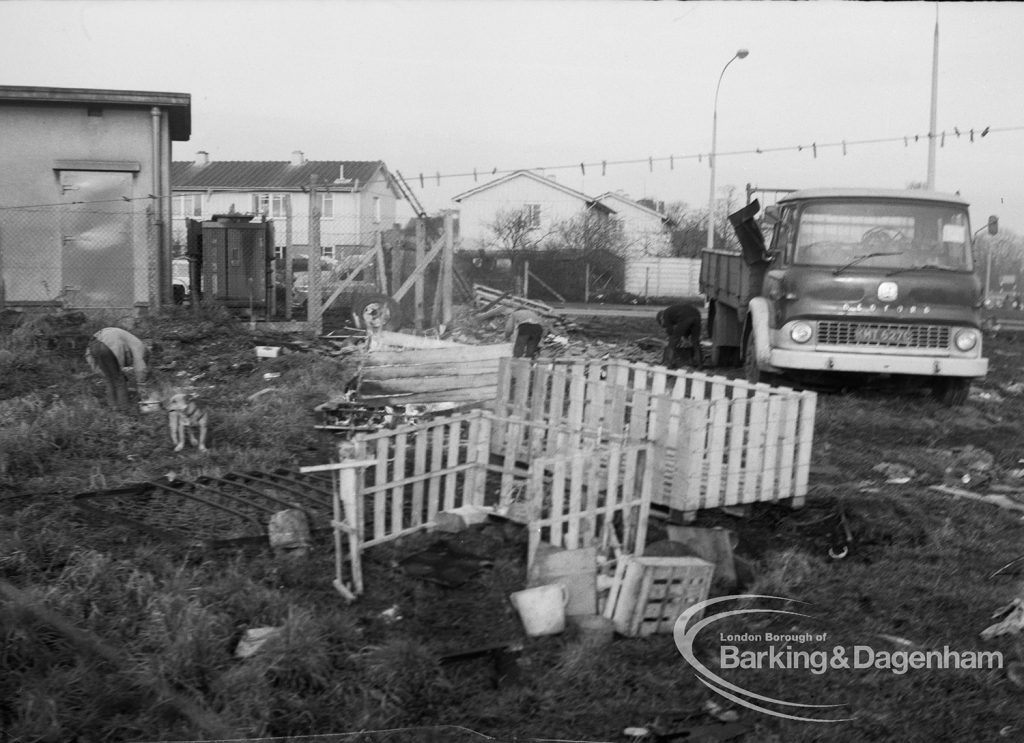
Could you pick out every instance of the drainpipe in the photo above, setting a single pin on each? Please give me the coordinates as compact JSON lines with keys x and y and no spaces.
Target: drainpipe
{"x":158,"y":224}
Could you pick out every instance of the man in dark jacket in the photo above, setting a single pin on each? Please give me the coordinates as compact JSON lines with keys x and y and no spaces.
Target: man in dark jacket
{"x":682,"y":325}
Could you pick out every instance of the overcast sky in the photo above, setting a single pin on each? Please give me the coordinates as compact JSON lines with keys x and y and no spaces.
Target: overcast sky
{"x":451,"y":87}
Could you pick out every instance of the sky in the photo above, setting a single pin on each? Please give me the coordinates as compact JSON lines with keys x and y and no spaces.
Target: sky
{"x":605,"y":95}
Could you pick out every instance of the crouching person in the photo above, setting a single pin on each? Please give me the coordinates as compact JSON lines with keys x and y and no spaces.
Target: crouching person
{"x":682,"y":325}
{"x":525,"y":329}
{"x":110,"y":352}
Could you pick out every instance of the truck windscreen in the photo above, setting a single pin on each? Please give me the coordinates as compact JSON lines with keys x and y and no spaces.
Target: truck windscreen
{"x":883,"y":234}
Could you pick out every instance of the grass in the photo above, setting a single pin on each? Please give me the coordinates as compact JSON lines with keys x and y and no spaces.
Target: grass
{"x":921,"y":568}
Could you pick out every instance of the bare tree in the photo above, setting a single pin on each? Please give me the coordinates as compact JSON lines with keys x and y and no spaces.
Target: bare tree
{"x":590,"y":233}
{"x":514,"y":231}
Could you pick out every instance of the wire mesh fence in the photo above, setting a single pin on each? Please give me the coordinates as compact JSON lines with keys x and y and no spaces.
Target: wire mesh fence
{"x":82,"y":255}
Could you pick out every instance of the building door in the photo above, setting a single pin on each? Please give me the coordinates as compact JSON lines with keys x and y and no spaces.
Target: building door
{"x":97,"y":260}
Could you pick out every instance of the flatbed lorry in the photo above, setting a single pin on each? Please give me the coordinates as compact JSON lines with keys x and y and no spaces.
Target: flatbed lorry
{"x":851,"y":282}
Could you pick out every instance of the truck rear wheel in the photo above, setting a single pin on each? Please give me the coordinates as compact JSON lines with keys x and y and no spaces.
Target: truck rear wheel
{"x":951,"y":391}
{"x":725,"y":356}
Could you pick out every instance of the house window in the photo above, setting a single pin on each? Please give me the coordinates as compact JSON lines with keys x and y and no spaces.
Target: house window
{"x":532,"y":213}
{"x":326,"y":206}
{"x":327,"y":251}
{"x":376,"y":209}
{"x":278,"y":252}
{"x":271,"y":204}
{"x":188,"y":205}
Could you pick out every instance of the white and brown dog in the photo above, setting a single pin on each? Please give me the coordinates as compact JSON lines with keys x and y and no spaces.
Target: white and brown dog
{"x":188,"y":418}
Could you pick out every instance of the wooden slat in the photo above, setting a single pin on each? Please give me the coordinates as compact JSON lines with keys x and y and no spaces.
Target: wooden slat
{"x":454,"y":445}
{"x":736,"y":441}
{"x":419,"y":466}
{"x":770,"y":467}
{"x":753,"y":469}
{"x":436,"y":458}
{"x":379,"y":498}
{"x":790,"y":420}
{"x":397,"y":493}
{"x":716,"y":452}
{"x":412,"y":371}
{"x":450,"y":356}
{"x":803,"y":447}
{"x":473,"y":394}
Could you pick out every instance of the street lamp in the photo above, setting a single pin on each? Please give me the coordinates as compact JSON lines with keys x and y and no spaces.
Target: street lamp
{"x":740,"y":54}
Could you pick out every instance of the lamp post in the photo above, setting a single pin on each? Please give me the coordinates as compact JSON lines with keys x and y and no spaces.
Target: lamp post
{"x":740,"y":54}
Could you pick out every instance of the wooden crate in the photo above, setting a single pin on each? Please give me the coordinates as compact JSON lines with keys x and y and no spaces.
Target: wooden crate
{"x":650,"y":593}
{"x":718,"y":441}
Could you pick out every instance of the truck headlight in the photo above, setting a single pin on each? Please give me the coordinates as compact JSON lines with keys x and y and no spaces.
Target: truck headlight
{"x":966,"y":339}
{"x":801,"y":332}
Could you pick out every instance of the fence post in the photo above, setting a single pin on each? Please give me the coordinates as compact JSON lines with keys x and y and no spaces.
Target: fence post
{"x":382,"y":275}
{"x":526,"y":278}
{"x":288,"y":278}
{"x":586,"y":282}
{"x":447,"y":268}
{"x":421,"y":249}
{"x":314,"y":316}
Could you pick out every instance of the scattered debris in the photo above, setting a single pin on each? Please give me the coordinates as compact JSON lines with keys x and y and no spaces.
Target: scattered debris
{"x":972,"y":467}
{"x":715,"y":545}
{"x":895,"y":474}
{"x":391,"y":615}
{"x":994,"y":499}
{"x":1010,"y":564}
{"x":461,"y":518}
{"x":253,"y":639}
{"x":594,"y":630}
{"x":268,"y":352}
{"x":289,"y":533}
{"x":1011,"y":621}
{"x":717,"y":711}
{"x":574,"y":569}
{"x":443,"y":564}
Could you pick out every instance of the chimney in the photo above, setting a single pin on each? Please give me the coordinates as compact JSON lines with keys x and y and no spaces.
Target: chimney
{"x":341,"y":171}
{"x":298,"y":158}
{"x":202,"y":158}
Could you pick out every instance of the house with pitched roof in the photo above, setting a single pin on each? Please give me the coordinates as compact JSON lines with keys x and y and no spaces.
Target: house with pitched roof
{"x":356,"y":199}
{"x":544,"y":201}
{"x":645,"y":231}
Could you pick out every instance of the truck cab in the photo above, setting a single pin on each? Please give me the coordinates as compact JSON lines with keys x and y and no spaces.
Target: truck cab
{"x":856,"y":281}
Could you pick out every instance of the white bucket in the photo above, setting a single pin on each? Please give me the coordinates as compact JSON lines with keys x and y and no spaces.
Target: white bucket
{"x":542,"y":609}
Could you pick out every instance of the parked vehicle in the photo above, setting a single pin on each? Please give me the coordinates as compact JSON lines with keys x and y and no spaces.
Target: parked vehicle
{"x":859,"y":282}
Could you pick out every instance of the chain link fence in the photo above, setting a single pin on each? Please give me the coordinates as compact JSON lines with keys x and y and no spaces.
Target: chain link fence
{"x":79,"y":255}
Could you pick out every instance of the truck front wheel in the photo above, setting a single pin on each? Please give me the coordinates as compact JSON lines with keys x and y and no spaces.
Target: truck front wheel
{"x":755,"y":375}
{"x":951,"y":391}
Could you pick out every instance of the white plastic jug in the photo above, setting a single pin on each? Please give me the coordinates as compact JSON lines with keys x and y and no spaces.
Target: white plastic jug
{"x":542,"y":609}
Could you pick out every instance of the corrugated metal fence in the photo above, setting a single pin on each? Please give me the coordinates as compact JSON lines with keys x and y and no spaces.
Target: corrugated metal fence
{"x":663,"y":277}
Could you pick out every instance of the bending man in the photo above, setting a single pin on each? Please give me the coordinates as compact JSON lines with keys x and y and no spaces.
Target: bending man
{"x":110,"y":352}
{"x":682,"y":322}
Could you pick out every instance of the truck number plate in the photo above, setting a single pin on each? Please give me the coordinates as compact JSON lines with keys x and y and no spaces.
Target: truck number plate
{"x":884,"y":336}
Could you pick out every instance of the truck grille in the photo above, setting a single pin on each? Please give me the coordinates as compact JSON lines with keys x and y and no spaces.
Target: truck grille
{"x":890,"y":335}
